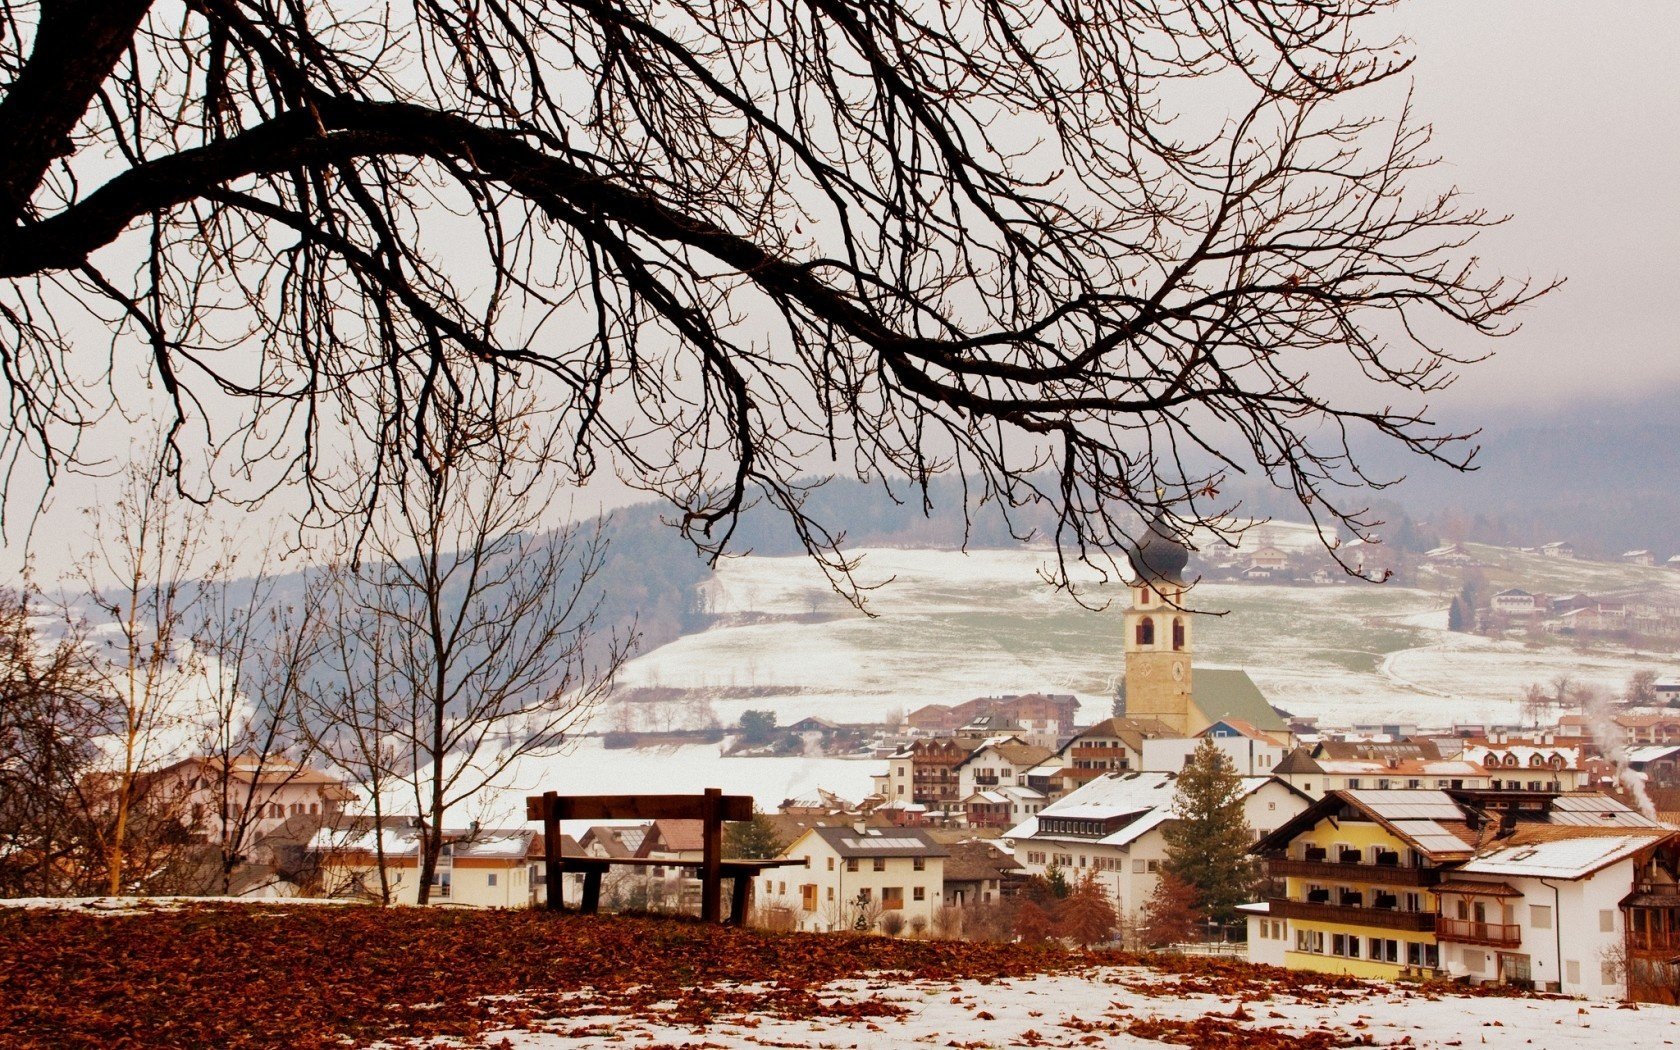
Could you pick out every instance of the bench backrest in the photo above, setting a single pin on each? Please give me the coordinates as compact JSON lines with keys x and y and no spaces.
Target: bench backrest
{"x":712,"y":808}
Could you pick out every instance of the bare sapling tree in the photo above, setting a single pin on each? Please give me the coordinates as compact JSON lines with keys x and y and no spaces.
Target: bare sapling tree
{"x":260,"y":648}
{"x":52,"y":706}
{"x":348,"y":712}
{"x":476,"y":627}
{"x":145,"y":575}
{"x":1092,"y":258}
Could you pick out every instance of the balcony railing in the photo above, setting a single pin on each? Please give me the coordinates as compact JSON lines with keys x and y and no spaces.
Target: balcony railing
{"x":1497,"y":934}
{"x":1332,"y":871}
{"x":1665,"y":944}
{"x":984,"y":780}
{"x":1381,"y":918}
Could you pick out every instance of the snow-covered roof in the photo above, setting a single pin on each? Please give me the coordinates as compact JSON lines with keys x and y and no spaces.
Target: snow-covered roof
{"x":1638,"y":756}
{"x":1148,"y":796}
{"x":405,"y":842}
{"x":1574,"y":857}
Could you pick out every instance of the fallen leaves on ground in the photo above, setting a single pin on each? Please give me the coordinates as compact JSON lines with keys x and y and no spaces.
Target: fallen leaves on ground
{"x":232,"y":976}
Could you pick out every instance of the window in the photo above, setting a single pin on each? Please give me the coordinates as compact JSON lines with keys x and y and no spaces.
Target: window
{"x":1607,"y":972}
{"x":1353,"y":783}
{"x":851,"y":864}
{"x":901,"y":789}
{"x":831,"y":864}
{"x":1572,"y":971}
{"x":879,"y":864}
{"x":808,"y":896}
{"x":781,"y":888}
{"x":919,"y":893}
{"x":1137,"y":867}
{"x":864,"y":895}
{"x":919,"y":863}
{"x":1152,"y":866}
{"x":1177,"y":634}
{"x":1606,"y":921}
{"x":892,"y":898}
{"x":1540,"y":916}
{"x":1146,"y":631}
{"x":830,"y":894}
{"x":492,"y":878}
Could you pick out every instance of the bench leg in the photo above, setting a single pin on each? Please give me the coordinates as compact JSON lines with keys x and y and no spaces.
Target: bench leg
{"x":740,"y":898}
{"x":591,"y":893}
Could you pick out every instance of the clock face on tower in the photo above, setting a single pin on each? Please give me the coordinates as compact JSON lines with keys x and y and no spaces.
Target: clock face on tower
{"x":1178,"y":670}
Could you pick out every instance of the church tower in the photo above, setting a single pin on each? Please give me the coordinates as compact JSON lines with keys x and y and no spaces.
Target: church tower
{"x":1157,"y":644}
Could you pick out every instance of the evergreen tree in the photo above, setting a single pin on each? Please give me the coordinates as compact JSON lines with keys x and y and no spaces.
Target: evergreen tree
{"x":755,"y":839}
{"x":1455,"y":615}
{"x":1208,"y":837}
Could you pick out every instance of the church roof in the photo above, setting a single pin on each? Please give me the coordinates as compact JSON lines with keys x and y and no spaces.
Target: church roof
{"x":1160,"y":556}
{"x":1223,"y":694}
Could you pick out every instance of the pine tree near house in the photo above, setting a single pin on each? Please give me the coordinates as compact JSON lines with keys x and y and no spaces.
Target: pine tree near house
{"x":1208,"y":838}
{"x":755,"y":839}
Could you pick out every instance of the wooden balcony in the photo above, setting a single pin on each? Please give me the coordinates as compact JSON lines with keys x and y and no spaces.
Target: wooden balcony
{"x":1469,"y":931}
{"x":1379,"y":918}
{"x":1331,"y":871}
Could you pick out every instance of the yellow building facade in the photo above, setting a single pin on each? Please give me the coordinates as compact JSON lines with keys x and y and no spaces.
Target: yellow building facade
{"x":1357,"y":887}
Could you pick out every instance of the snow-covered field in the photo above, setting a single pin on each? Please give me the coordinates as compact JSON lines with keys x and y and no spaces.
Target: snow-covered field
{"x":1103,"y":1008}
{"x":951,"y":626}
{"x":591,"y":769}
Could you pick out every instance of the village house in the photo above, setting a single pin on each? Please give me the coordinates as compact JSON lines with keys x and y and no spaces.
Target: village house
{"x":854,"y":875}
{"x":1639,"y":558}
{"x":477,"y":868}
{"x":1358,"y":869}
{"x":1251,"y":752}
{"x":1376,"y":767}
{"x":992,"y":782}
{"x":273,"y":788}
{"x":979,"y":872}
{"x":1449,"y":554}
{"x":1521,"y":766}
{"x":1537,"y":889}
{"x":1557,"y":549}
{"x":1114,"y":745}
{"x":1112,"y":827}
{"x":1514,"y":601}
{"x":1269,"y":558}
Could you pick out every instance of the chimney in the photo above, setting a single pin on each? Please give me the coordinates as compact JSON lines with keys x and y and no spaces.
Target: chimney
{"x":860,"y":827}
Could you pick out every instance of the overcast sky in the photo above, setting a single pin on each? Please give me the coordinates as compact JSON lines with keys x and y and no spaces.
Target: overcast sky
{"x":1565,"y":115}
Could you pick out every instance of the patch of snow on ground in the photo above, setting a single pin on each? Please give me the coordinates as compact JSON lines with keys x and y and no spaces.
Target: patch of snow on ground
{"x":1097,"y":1007}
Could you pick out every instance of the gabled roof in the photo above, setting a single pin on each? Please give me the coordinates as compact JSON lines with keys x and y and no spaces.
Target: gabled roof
{"x":1222,"y":694}
{"x":1573,"y":856}
{"x":1428,"y":821}
{"x":1407,"y":747}
{"x":1146,"y":798}
{"x":1241,"y":728}
{"x":675,"y":836}
{"x":880,"y":842}
{"x":977,"y":861}
{"x":1299,"y":760}
{"x":1130,"y":731}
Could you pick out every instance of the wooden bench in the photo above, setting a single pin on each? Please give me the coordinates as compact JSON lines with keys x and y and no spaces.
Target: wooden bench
{"x":711,"y":809}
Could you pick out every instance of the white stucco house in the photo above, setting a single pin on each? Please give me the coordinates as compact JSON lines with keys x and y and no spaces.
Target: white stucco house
{"x":855,"y":873}
{"x":1112,"y":826}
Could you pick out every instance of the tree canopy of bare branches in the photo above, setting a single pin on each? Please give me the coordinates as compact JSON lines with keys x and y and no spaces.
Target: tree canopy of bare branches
{"x":1095,"y":255}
